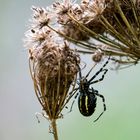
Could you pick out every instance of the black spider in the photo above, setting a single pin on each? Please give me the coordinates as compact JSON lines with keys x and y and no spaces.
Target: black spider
{"x":87,"y":95}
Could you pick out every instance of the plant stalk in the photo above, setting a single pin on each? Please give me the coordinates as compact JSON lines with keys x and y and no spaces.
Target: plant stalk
{"x":54,"y":128}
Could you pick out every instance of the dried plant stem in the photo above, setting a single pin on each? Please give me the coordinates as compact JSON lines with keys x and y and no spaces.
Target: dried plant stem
{"x":54,"y":128}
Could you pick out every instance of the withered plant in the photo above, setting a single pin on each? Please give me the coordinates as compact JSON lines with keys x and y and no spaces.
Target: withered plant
{"x":96,"y":27}
{"x":53,"y":67}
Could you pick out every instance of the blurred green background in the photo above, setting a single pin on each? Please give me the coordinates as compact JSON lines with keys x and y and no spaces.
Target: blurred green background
{"x":18,"y":102}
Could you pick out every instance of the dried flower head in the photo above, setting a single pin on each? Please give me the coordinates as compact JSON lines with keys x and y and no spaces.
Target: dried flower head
{"x":68,"y":26}
{"x":53,"y":65}
{"x":53,"y":70}
{"x":114,"y":23}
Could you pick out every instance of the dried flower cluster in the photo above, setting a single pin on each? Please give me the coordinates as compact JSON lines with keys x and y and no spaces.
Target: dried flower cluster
{"x":53,"y":71}
{"x":111,"y":23}
{"x":53,"y":65}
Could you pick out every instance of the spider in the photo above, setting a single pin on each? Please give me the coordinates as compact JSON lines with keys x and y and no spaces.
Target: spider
{"x":88,"y":95}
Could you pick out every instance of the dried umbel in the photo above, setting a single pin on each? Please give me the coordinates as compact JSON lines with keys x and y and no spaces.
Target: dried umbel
{"x":53,"y":72}
{"x":53,"y":65}
{"x":92,"y":23}
{"x":111,"y":23}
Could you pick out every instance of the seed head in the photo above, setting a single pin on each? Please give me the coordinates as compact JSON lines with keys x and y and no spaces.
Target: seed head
{"x":53,"y":66}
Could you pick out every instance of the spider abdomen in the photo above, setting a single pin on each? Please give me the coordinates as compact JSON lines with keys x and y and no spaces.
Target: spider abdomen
{"x":87,"y":103}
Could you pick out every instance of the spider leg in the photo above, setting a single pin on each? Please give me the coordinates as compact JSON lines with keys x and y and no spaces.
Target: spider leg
{"x":90,"y":70}
{"x":100,"y":70}
{"x":104,"y":106}
{"x":73,"y":102}
{"x":80,"y":74}
{"x":102,"y":78}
